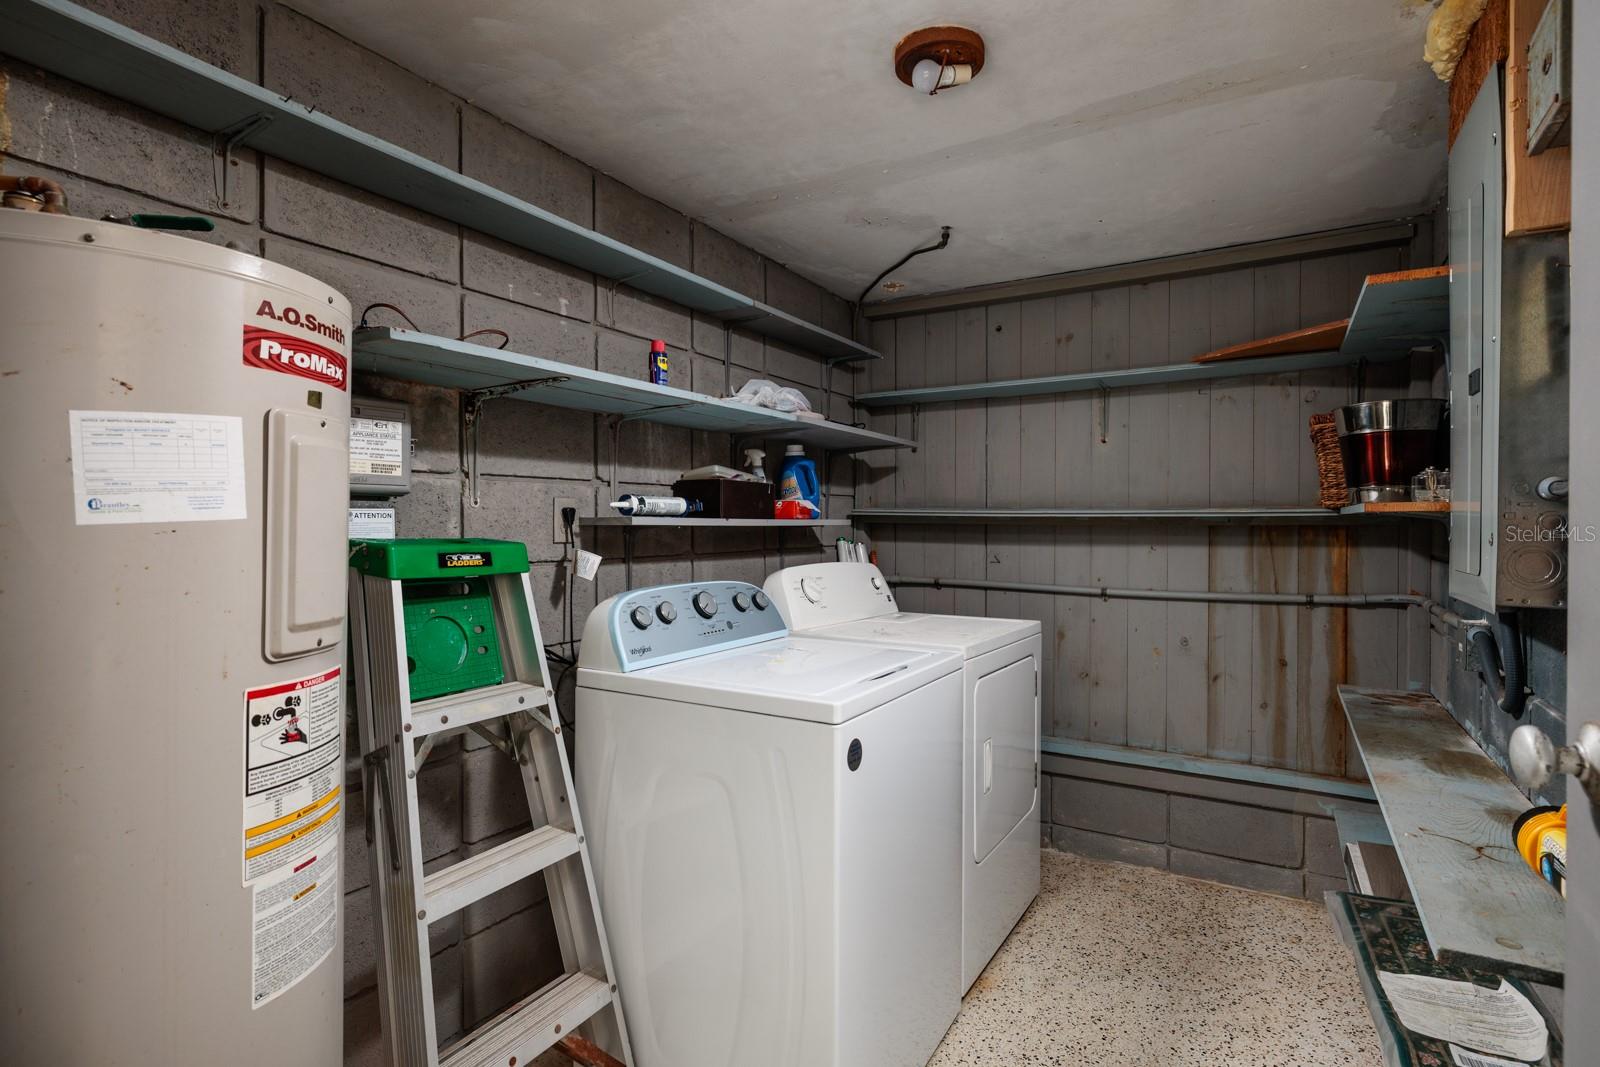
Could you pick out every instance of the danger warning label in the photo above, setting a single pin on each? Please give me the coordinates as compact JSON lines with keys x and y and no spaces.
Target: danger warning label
{"x":293,"y":779}
{"x":293,"y":773}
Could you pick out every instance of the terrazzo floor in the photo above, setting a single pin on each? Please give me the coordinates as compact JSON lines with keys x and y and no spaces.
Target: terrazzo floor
{"x":1132,"y":966}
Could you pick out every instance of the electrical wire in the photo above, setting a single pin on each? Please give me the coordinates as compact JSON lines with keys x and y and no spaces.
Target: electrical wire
{"x":567,"y":662}
{"x":505,"y":338}
{"x":390,"y":307}
{"x":944,"y":239}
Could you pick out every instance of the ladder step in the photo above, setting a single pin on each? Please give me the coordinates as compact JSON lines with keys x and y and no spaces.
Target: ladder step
{"x":524,"y":1030}
{"x":475,"y":705}
{"x":447,"y":891}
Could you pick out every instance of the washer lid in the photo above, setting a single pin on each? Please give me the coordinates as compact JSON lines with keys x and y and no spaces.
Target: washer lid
{"x":967,"y":634}
{"x":793,"y":677}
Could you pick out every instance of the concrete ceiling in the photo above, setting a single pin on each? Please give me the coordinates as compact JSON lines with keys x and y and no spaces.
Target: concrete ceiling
{"x":1097,"y":132}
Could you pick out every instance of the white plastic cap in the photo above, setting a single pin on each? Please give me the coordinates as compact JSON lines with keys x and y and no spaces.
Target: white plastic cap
{"x":795,"y":450}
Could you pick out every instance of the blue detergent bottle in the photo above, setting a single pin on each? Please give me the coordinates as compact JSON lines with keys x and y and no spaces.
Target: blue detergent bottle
{"x":797,"y":479}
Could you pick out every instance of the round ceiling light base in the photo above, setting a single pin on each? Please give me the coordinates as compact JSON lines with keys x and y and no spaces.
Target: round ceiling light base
{"x":946,"y":45}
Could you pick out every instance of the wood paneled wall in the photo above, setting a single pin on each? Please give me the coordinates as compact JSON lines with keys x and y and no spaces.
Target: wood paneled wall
{"x":1239,"y":682}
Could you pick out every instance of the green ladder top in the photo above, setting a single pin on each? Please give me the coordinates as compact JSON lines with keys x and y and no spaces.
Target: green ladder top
{"x":438,"y":557}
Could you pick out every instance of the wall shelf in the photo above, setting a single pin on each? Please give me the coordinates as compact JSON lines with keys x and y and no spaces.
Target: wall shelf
{"x":1450,"y":810}
{"x":635,"y":522}
{"x":1061,"y":516}
{"x":75,"y":43}
{"x":1394,"y":314}
{"x":1410,"y":509}
{"x":1165,"y":374}
{"x":630,"y":525}
{"x":1398,"y":312}
{"x":454,"y":364}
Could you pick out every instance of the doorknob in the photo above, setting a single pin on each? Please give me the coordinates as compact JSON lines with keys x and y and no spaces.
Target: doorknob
{"x":1535,"y":759}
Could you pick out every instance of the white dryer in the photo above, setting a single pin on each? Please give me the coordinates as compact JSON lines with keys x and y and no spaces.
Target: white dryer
{"x":773,"y":824}
{"x":1000,"y":731}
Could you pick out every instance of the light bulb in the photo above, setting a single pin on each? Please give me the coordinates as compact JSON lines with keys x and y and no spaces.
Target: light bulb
{"x":925,"y":75}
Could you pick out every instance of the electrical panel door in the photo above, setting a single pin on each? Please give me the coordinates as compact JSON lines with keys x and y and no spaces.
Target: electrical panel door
{"x":1475,"y":207}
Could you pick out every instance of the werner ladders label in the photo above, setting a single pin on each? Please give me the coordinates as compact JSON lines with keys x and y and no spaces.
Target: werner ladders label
{"x":293,"y":772}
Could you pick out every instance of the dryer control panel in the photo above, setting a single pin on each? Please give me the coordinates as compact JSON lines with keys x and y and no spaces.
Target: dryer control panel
{"x":665,"y":623}
{"x":820,"y":594}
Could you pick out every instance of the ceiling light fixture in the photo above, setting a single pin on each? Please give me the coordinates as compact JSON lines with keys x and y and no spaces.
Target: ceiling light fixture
{"x":938,"y":57}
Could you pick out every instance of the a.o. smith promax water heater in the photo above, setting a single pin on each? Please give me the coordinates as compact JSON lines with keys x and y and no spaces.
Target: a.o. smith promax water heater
{"x":173,"y":428}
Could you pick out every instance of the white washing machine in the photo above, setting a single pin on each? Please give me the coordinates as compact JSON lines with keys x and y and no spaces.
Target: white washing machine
{"x":1000,"y":731}
{"x":774,"y":827}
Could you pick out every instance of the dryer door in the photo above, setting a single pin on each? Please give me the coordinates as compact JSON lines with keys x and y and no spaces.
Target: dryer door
{"x":1004,"y":743}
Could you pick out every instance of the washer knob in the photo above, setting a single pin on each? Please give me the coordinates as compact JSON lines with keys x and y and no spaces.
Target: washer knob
{"x":666,"y":612}
{"x":877,"y":583}
{"x":741,"y":602}
{"x":641,"y":617}
{"x":705,"y":604}
{"x":761,"y":601}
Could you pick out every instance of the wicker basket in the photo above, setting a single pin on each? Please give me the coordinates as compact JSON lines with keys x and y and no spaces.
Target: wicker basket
{"x":1333,"y":490}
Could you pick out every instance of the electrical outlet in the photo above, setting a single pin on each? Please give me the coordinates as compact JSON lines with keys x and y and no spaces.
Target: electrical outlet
{"x":558,"y":530}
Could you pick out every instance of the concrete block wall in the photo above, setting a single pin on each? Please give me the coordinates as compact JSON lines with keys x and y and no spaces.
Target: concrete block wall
{"x":1265,"y":838}
{"x":116,"y":158}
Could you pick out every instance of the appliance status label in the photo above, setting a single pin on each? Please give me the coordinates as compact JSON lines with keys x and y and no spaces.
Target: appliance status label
{"x":375,"y":446}
{"x":154,"y":466}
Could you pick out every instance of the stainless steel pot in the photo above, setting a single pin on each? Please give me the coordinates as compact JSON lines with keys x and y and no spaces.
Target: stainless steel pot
{"x":1385,"y":442}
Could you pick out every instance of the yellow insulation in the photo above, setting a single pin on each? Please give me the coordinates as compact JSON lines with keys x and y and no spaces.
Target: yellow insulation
{"x":1448,"y":30}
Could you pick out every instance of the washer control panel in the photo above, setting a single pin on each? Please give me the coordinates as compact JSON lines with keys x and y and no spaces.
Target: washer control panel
{"x":665,"y":623}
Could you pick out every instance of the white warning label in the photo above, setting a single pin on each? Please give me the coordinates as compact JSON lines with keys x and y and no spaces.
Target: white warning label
{"x":293,"y":774}
{"x":294,"y":924}
{"x":375,"y":446}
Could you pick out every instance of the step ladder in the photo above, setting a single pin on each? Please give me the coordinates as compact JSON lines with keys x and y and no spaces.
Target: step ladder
{"x":397,"y":733}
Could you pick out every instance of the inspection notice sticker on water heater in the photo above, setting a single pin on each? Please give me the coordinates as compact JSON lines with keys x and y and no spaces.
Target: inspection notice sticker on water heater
{"x":293,"y":778}
{"x":156,"y":466}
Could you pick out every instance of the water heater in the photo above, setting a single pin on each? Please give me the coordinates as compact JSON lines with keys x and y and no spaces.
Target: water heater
{"x":173,"y":424}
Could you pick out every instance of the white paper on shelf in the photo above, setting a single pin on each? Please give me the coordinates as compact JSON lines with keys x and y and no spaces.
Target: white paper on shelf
{"x":1501,"y":1022}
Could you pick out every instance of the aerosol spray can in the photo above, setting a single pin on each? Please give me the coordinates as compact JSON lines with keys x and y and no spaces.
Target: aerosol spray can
{"x":658,"y":363}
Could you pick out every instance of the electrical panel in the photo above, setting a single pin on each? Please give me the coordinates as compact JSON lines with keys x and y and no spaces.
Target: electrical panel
{"x":1508,"y":384}
{"x":1550,"y":79}
{"x":380,"y":448}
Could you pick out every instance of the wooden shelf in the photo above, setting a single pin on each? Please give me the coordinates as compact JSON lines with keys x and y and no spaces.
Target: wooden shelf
{"x":1061,"y":516}
{"x":68,"y":40}
{"x":1417,"y":509}
{"x":1326,"y":337}
{"x":444,"y":361}
{"x":1449,"y":811}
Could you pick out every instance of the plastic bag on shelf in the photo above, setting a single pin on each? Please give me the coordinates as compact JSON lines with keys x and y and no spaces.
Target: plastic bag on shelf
{"x":761,"y":393}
